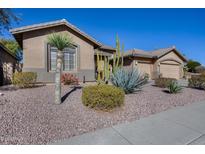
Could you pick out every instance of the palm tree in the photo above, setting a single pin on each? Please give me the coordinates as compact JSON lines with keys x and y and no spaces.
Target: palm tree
{"x":60,"y":42}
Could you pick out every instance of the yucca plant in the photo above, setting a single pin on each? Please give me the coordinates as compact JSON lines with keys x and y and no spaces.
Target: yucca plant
{"x":174,"y":87}
{"x":130,"y":80}
{"x":61,"y":42}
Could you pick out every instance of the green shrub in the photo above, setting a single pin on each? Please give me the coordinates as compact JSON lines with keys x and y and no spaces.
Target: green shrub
{"x":130,"y":80}
{"x":174,"y":87}
{"x":24,"y":79}
{"x":163,"y":82}
{"x":197,"y":81}
{"x":103,"y":97}
{"x":191,"y":65}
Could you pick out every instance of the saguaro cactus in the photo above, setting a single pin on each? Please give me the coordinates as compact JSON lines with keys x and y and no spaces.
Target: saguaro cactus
{"x":107,"y":69}
{"x":103,"y":68}
{"x":103,"y":75}
{"x":118,"y":56}
{"x":98,"y":67}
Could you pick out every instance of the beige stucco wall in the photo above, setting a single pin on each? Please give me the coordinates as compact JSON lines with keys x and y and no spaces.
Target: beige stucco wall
{"x":35,"y":48}
{"x":144,"y":65}
{"x":145,"y":68}
{"x":36,"y":57}
{"x":171,"y":55}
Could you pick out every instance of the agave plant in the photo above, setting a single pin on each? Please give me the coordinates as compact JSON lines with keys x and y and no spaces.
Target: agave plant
{"x":130,"y":80}
{"x":174,"y":87}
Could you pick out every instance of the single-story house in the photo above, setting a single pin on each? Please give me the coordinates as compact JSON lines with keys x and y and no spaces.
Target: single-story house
{"x":40,"y":57}
{"x":8,"y":63}
{"x":165,"y":62}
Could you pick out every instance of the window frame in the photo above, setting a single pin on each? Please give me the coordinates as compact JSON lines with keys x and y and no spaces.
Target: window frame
{"x":49,"y":60}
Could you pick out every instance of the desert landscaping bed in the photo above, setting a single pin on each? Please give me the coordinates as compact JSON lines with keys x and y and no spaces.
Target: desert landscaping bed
{"x":29,"y":116}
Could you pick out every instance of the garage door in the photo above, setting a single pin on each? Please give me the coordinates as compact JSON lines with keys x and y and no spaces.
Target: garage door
{"x":170,"y":71}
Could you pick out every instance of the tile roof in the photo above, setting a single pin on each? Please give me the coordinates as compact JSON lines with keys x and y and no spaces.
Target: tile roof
{"x":107,"y":47}
{"x":52,"y":24}
{"x":152,"y":54}
{"x":7,"y":50}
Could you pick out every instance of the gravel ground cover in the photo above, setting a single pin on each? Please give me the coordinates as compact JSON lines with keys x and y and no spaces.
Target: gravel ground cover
{"x":29,"y":116}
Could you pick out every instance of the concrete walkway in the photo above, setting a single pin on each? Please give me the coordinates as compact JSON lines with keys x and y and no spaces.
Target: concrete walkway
{"x":180,"y":125}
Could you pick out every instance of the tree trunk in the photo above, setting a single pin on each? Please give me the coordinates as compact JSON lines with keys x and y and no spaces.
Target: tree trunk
{"x":59,"y":62}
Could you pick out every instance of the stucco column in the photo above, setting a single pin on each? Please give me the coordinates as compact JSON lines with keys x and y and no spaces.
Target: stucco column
{"x":134,"y":63}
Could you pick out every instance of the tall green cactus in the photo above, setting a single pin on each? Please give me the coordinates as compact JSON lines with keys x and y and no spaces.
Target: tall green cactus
{"x":98,"y":67}
{"x":103,"y":74}
{"x":118,"y":56}
{"x":122,"y":56}
{"x":117,"y":51}
{"x":107,"y":69}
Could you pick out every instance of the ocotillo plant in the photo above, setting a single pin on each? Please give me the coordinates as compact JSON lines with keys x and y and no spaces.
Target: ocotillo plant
{"x":118,"y":56}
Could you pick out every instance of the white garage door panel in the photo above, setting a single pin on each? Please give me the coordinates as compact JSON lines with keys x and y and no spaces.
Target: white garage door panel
{"x":170,"y":71}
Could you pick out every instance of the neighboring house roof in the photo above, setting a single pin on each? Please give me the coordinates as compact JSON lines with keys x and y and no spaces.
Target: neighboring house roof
{"x":155,"y":54}
{"x":105,"y":47}
{"x":53,"y":24}
{"x":7,"y":51}
{"x":138,"y":53}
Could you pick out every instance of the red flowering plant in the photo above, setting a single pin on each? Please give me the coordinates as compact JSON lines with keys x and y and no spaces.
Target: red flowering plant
{"x":69,"y":79}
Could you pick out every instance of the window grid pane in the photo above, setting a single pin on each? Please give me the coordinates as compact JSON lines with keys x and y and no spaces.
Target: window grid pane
{"x":68,"y":59}
{"x":53,"y":59}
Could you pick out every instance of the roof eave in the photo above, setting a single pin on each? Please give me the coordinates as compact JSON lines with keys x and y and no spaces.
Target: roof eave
{"x":16,"y":31}
{"x":142,"y":56}
{"x":179,"y":54}
{"x":8,"y":51}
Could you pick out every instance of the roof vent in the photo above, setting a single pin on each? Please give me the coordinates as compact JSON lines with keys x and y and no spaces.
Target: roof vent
{"x":173,"y":46}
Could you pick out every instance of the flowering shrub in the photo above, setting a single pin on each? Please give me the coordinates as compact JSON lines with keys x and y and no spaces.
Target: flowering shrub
{"x":69,"y":79}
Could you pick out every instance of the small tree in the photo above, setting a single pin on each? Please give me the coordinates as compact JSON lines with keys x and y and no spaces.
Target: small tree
{"x":191,"y":65}
{"x":60,"y":42}
{"x":6,"y":18}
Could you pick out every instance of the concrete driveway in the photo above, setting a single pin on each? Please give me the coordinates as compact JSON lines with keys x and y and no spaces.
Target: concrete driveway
{"x":180,"y":125}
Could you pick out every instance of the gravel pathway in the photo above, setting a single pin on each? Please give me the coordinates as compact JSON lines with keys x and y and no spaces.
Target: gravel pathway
{"x":29,"y":116}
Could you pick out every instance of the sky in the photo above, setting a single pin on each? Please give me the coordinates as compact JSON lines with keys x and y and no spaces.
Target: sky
{"x":145,"y":29}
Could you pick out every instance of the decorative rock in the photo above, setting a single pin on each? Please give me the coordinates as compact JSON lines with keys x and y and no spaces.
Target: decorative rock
{"x":29,"y":116}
